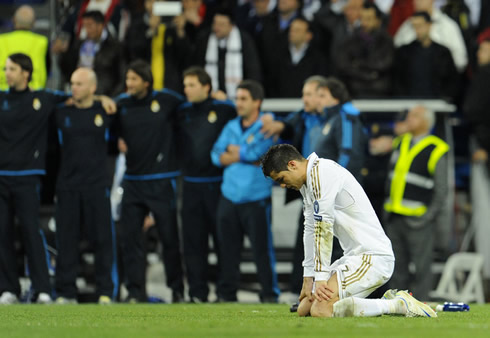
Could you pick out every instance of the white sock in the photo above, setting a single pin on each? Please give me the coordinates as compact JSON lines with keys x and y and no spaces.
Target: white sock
{"x":360,"y":307}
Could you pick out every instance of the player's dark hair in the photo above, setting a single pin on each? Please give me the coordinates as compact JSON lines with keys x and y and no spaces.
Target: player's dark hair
{"x":276,"y":159}
{"x":97,"y":16}
{"x":24,"y":61}
{"x":143,"y":69}
{"x":254,"y":88}
{"x":200,"y":73}
{"x":337,"y":88}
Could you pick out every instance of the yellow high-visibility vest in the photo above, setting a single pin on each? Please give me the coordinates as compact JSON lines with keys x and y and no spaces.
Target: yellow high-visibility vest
{"x":402,"y":174}
{"x":32,"y":44}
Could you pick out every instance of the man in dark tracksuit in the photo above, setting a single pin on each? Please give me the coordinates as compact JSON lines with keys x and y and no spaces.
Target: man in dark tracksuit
{"x":201,"y":120}
{"x":341,"y":137}
{"x":245,"y":205}
{"x":146,"y":124}
{"x":83,"y":191}
{"x":24,"y":118}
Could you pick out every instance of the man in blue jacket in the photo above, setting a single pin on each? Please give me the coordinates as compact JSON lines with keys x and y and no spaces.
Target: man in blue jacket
{"x":245,"y":205}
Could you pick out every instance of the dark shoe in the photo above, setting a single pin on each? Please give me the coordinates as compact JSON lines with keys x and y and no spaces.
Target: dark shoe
{"x":197,"y":300}
{"x":294,"y":307}
{"x":177,"y":297}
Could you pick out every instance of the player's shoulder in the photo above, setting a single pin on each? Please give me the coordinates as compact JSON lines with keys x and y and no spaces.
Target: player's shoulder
{"x":169,"y":92}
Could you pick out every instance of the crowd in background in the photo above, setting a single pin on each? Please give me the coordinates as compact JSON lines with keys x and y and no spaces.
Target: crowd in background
{"x":375,"y":49}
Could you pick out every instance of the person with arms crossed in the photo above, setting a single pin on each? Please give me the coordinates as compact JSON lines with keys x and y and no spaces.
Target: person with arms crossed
{"x":336,"y":205}
{"x":245,"y":205}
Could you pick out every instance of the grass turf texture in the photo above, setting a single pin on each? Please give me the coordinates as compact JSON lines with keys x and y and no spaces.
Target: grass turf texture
{"x":224,"y":320}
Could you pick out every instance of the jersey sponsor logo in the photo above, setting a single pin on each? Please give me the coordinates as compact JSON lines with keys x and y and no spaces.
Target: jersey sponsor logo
{"x":326,"y":129}
{"x":212,"y":116}
{"x":250,"y":139}
{"x":36,"y":104}
{"x":155,"y":106}
{"x":98,"y":121}
{"x":317,"y":218}
{"x":316,"y":207}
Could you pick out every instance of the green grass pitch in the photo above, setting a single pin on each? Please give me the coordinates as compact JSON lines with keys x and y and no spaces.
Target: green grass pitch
{"x":225,"y":320}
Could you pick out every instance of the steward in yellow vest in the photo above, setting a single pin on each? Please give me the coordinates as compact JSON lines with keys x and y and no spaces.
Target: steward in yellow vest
{"x":22,"y":40}
{"x":412,"y":174}
{"x":418,"y":186}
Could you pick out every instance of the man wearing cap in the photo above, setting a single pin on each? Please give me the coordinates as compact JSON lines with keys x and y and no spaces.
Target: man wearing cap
{"x":146,"y":123}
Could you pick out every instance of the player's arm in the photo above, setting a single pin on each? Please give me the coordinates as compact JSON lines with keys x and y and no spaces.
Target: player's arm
{"x":251,"y":152}
{"x":221,"y":156}
{"x":309,"y":252}
{"x":108,"y":104}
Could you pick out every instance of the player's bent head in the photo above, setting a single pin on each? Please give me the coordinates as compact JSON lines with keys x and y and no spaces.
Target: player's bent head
{"x":276,"y":159}
{"x":24,"y":62}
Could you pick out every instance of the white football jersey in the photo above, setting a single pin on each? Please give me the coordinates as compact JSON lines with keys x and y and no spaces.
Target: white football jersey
{"x":336,"y":205}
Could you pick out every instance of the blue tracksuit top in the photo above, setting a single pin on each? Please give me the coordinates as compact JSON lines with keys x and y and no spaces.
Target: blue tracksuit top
{"x":243,"y":181}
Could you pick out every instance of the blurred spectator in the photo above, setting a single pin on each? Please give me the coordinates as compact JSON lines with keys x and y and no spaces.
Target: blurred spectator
{"x":250,"y":16}
{"x":444,"y":31}
{"x":273,"y":39}
{"x":399,"y":12}
{"x":416,"y":192}
{"x":245,"y":205}
{"x":200,"y":121}
{"x":162,"y":44}
{"x":364,"y":60}
{"x":196,"y":17}
{"x":424,"y":68}
{"x":336,"y":21}
{"x":115,"y":19}
{"x":228,"y":54}
{"x":301,"y":60}
{"x":23,"y":40}
{"x":98,"y":51}
{"x":310,"y":7}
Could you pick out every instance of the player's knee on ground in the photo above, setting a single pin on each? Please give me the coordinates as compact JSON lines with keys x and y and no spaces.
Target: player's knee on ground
{"x":323,"y":309}
{"x":304,"y":308}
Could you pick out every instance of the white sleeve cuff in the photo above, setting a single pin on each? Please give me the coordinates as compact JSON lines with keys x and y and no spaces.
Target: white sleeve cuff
{"x":320,"y":276}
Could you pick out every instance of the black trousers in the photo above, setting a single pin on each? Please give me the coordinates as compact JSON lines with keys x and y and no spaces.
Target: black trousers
{"x":254,"y":220}
{"x":199,"y":205}
{"x":140,"y":198}
{"x":19,"y":196}
{"x":90,"y":207}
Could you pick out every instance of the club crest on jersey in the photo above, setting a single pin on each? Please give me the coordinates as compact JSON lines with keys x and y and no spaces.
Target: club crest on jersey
{"x":155,"y":106}
{"x":250,"y":139}
{"x":212,"y":116}
{"x":36,"y":104}
{"x":326,"y":129}
{"x":316,"y":207}
{"x":98,"y":121}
